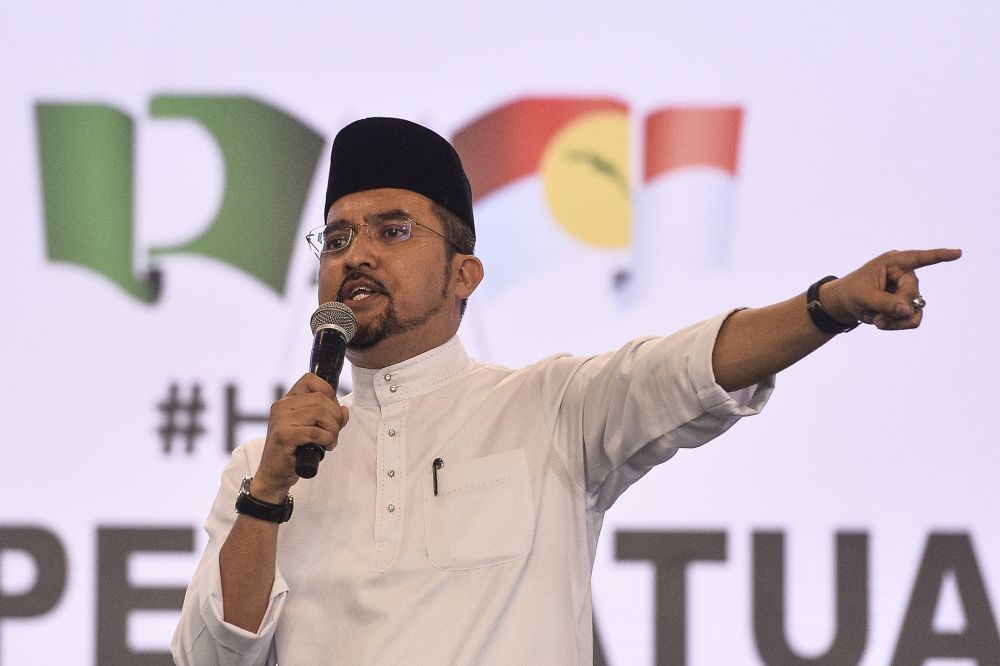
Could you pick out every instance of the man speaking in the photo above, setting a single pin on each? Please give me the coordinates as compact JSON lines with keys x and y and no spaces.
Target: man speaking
{"x":455,"y":518}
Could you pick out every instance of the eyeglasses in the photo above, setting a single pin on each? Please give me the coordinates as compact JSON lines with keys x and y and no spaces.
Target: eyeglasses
{"x":334,"y":239}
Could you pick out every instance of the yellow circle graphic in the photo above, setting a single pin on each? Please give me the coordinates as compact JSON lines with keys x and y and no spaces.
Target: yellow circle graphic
{"x":585,"y":172}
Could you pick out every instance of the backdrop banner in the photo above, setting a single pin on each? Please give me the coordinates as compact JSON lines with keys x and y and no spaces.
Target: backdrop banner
{"x":635,"y":168}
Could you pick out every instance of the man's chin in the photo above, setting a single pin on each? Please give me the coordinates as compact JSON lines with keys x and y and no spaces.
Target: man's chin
{"x":371,"y":331}
{"x":376,"y":328}
{"x":366,"y":339}
{"x":360,"y":343}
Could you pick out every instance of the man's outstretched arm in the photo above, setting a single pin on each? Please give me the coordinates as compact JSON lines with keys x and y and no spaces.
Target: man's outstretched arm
{"x":756,"y":343}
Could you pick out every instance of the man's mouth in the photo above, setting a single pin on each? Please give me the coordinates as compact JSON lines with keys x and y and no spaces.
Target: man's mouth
{"x":358,"y":290}
{"x":360,"y":294}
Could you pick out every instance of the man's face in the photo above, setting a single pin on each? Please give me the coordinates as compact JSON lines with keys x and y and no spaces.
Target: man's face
{"x":393,"y":290}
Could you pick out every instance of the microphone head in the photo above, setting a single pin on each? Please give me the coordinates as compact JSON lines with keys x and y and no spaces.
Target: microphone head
{"x":334,"y":314}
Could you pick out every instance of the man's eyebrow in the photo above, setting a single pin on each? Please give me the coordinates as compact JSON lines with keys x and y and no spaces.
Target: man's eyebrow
{"x":394,"y":214}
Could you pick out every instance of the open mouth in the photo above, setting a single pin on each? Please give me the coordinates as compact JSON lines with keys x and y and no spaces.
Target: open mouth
{"x":358,"y":288}
{"x":360,"y":291}
{"x":360,"y":294}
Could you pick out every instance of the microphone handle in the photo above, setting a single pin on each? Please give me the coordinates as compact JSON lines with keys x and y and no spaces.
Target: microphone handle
{"x":327,"y":361}
{"x":307,"y":458}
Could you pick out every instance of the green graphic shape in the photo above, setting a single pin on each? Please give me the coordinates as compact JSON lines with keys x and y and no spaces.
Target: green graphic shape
{"x":87,"y":188}
{"x":270,"y":158}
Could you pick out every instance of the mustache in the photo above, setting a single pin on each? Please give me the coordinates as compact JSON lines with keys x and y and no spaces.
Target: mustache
{"x":357,"y":276}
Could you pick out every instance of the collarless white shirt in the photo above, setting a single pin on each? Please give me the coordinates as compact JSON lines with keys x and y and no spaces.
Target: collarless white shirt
{"x":489,"y":562}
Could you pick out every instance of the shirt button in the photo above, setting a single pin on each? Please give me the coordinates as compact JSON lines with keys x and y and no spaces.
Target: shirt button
{"x":387,"y":377}
{"x":391,"y":473}
{"x":391,"y":508}
{"x":392,"y":432}
{"x":392,"y":389}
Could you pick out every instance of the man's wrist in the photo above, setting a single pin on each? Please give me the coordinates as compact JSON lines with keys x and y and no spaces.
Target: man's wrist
{"x":264,"y":492}
{"x":268,"y":493}
{"x":256,"y":507}
{"x":825,"y":315}
{"x":832,"y":304}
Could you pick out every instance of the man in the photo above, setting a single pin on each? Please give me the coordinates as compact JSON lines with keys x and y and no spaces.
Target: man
{"x":456,"y":517}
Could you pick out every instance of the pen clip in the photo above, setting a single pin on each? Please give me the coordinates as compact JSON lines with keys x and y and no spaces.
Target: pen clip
{"x":438,"y":464}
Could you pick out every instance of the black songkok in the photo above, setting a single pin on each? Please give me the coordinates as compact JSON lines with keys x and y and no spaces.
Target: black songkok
{"x":390,"y":152}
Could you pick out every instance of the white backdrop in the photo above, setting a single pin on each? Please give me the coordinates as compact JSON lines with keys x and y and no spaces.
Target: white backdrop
{"x":860,"y":127}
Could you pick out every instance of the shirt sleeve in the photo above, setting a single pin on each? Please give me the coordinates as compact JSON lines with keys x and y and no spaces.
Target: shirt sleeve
{"x":202,"y":636}
{"x":634,"y":408}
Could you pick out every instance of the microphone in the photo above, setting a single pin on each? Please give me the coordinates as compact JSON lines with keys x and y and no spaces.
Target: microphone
{"x":333,"y":325}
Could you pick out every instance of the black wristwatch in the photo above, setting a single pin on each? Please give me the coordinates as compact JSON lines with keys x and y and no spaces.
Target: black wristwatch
{"x":823,"y":321}
{"x":251,"y":506}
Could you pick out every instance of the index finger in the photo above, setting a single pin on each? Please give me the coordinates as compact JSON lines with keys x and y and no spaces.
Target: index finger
{"x":312,"y":383}
{"x":909,"y":260}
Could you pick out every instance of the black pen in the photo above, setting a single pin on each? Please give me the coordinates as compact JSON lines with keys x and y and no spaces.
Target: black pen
{"x":438,"y":464}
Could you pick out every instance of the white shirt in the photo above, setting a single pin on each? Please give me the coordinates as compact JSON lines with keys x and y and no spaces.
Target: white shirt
{"x":376,"y":568}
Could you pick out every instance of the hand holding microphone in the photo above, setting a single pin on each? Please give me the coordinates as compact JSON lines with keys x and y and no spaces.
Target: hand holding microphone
{"x":333,"y":325}
{"x":304,"y":424}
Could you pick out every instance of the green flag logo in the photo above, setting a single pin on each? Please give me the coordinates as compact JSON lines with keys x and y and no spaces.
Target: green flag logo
{"x":87,"y":163}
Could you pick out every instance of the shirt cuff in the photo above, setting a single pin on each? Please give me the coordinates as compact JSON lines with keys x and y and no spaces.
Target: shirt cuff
{"x":713,"y":398}
{"x":231,"y":637}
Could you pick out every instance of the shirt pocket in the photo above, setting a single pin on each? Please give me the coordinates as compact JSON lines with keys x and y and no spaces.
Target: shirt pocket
{"x":482,"y":513}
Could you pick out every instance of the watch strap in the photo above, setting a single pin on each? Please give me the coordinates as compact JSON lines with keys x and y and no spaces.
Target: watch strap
{"x":818,"y":313}
{"x":251,"y":506}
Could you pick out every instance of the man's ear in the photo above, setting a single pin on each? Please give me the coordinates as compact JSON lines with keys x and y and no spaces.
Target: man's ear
{"x":467,"y":274}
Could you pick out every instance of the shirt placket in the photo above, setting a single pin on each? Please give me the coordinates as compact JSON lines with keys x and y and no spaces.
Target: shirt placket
{"x":391,"y":474}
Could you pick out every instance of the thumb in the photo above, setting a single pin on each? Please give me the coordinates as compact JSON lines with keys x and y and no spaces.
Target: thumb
{"x":885,"y":304}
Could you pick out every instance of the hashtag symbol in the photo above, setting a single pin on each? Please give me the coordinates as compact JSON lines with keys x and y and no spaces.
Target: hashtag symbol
{"x":188,"y":425}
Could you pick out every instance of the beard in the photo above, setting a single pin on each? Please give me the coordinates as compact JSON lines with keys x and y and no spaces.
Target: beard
{"x":389,"y":323}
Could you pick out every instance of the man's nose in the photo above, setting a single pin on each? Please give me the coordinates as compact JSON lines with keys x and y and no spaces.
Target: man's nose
{"x":361,"y":251}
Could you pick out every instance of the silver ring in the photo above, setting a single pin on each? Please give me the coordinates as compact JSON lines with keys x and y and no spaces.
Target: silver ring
{"x":919,"y":302}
